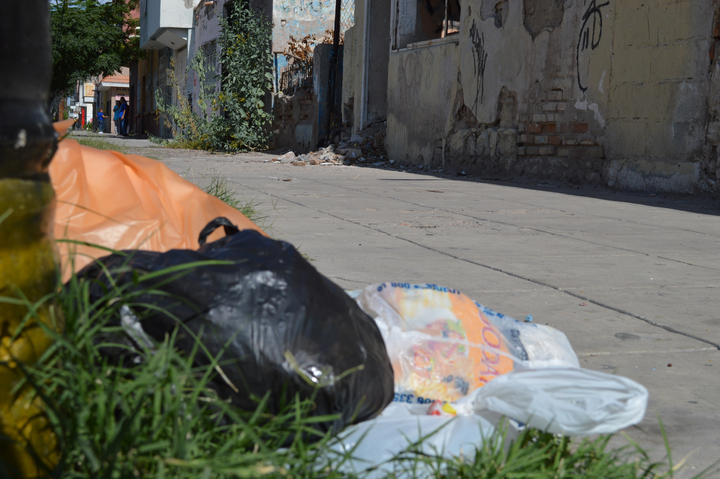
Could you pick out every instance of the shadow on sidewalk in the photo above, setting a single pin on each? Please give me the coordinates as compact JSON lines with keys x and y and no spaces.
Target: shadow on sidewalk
{"x":694,"y":203}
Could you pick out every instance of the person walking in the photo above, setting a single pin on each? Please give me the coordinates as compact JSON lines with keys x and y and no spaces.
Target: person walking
{"x":123,"y":116}
{"x":117,"y":115}
{"x":100,"y":121}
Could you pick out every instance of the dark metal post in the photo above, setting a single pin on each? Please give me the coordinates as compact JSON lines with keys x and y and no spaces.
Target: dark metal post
{"x":27,"y":138}
{"x":334,"y":76}
{"x":27,"y":263}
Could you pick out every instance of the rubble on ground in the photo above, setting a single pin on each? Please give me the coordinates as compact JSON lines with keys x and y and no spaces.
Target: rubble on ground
{"x":366,"y":148}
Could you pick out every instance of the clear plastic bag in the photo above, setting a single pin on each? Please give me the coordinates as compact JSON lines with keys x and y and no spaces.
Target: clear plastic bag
{"x":444,"y":345}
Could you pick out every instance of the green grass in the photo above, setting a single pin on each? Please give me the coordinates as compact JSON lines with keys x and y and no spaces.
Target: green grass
{"x":159,"y":418}
{"x":219,"y":188}
{"x":100,"y":144}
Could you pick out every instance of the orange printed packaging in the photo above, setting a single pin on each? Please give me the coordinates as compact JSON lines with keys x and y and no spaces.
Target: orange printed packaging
{"x":442,"y":344}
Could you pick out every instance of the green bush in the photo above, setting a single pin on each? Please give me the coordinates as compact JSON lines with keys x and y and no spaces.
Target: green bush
{"x":231,"y":112}
{"x":246,"y":79}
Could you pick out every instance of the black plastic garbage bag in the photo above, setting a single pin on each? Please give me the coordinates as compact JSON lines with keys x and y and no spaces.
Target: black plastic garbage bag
{"x":279,"y":325}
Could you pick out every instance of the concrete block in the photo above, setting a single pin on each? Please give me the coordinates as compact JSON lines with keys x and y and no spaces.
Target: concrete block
{"x":625,"y":138}
{"x":672,"y":21}
{"x":676,"y":61}
{"x":547,"y":150}
{"x":631,"y":23}
{"x":632,"y":64}
{"x":541,"y":140}
{"x":691,"y":102}
{"x":507,"y":143}
{"x":648,"y":101}
{"x":648,"y":175}
{"x":539,"y":117}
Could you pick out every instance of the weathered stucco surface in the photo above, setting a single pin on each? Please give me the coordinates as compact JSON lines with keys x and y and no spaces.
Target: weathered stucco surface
{"x":419,"y":109}
{"x":621,"y":92}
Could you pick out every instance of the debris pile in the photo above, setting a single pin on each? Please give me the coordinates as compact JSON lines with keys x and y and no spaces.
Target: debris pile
{"x":323,"y":156}
{"x":366,"y":148}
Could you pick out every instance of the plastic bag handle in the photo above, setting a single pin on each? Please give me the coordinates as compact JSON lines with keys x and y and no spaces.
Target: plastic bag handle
{"x":230,"y":229}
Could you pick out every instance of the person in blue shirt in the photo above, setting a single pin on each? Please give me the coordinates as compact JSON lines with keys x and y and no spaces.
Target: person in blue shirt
{"x":100,"y":121}
{"x":123,"y":116}
{"x":117,"y":114}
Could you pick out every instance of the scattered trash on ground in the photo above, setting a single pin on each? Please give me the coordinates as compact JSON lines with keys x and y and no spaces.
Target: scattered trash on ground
{"x":438,"y":360}
{"x":459,"y":367}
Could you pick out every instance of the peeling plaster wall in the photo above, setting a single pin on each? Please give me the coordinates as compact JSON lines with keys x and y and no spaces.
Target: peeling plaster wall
{"x":619,"y":92}
{"x":420,"y":82}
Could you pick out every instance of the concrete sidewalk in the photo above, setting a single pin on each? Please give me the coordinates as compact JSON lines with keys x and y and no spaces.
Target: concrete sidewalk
{"x":633,"y":280}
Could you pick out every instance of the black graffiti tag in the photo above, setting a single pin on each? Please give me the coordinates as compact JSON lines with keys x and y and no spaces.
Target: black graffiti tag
{"x":480,"y":56}
{"x":590,"y":35}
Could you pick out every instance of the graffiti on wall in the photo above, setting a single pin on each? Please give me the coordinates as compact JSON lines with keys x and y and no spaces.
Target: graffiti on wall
{"x":306,"y":7}
{"x":299,"y":18}
{"x":480,"y":56}
{"x":588,"y":39}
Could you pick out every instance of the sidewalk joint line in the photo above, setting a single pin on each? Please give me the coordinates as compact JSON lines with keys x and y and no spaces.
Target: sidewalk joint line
{"x":532,"y":228}
{"x":498,"y":270}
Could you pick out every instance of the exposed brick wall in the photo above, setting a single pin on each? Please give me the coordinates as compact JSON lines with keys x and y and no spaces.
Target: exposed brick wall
{"x":549,"y":132}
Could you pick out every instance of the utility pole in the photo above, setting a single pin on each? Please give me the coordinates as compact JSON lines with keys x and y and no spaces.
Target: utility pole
{"x":27,"y":261}
{"x":335,"y":78}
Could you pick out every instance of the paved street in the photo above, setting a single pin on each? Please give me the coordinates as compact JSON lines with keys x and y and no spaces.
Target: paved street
{"x":632,"y":279}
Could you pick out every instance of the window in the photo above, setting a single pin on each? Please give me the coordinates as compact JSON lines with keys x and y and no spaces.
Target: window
{"x":422,"y":20}
{"x":439,"y":18}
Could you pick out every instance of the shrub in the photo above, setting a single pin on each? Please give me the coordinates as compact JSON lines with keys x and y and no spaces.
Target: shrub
{"x":231,"y":113}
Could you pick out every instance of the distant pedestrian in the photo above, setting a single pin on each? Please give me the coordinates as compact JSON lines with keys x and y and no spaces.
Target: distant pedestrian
{"x":100,"y":121}
{"x":117,"y":115}
{"x":123,"y":116}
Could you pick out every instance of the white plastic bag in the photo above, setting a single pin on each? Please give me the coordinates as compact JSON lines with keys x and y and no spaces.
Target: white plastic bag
{"x":440,"y":341}
{"x":571,"y":401}
{"x":376,"y":446}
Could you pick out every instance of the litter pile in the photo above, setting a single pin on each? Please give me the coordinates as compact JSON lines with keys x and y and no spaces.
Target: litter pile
{"x":397,"y":360}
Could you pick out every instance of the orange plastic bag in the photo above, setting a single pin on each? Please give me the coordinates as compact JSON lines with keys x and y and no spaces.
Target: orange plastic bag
{"x":126,"y":202}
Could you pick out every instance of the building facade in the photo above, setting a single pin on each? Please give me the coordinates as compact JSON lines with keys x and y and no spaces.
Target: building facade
{"x":621,"y":93}
{"x":109,"y":90}
{"x":296,"y":110}
{"x":82,"y":108}
{"x":166,"y":29}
